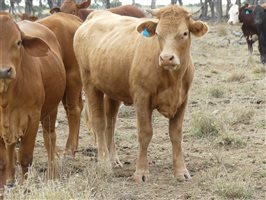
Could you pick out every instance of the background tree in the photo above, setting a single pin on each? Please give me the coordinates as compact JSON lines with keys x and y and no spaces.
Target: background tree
{"x":219,"y":9}
{"x":153,"y":4}
{"x":238,"y":2}
{"x":50,"y":4}
{"x":3,"y":5}
{"x":173,"y":2}
{"x":133,"y":2}
{"x":228,"y":5}
{"x":40,"y":9}
{"x":28,"y":7}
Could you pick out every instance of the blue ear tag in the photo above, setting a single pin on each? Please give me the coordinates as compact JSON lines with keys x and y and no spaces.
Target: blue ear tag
{"x":247,"y":12}
{"x":146,"y":33}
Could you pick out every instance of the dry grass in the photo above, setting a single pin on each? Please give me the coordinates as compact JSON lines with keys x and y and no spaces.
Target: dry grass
{"x":236,"y":77}
{"x":241,"y":114}
{"x":259,"y":70}
{"x":217,"y":92}
{"x":232,"y":140}
{"x":234,"y":189}
{"x":221,"y":30}
{"x":74,"y":182}
{"x":205,"y":125}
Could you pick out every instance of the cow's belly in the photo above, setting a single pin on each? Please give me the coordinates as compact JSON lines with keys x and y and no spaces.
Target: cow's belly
{"x":115,"y":85}
{"x":109,"y":67}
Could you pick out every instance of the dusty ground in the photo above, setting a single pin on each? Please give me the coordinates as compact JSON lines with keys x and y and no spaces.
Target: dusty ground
{"x":224,"y":138}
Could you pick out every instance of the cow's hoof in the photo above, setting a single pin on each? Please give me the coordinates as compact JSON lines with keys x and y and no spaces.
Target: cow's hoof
{"x":183,"y":176}
{"x":141,"y":177}
{"x":10,"y":184}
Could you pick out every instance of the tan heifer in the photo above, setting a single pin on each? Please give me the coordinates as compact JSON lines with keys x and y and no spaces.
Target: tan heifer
{"x":32,"y":83}
{"x":145,"y":62}
{"x":64,"y":27}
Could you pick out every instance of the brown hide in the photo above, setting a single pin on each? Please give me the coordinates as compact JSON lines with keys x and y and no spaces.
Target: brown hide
{"x":25,"y":16}
{"x":31,"y":93}
{"x":146,"y":62}
{"x":71,"y":7}
{"x":64,"y":27}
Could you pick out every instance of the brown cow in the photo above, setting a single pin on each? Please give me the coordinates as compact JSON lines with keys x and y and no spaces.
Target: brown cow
{"x":32,"y":83}
{"x":25,"y":16}
{"x":64,"y":27}
{"x":71,"y":7}
{"x":145,"y":62}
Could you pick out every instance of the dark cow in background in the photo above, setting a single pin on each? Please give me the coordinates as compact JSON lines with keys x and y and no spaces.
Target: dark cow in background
{"x":244,"y":15}
{"x":260,"y":22}
{"x":71,"y":7}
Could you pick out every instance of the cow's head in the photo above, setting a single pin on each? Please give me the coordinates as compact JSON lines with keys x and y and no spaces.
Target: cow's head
{"x":15,"y":44}
{"x":71,"y":7}
{"x":173,"y":31}
{"x":25,"y":16}
{"x":233,"y":15}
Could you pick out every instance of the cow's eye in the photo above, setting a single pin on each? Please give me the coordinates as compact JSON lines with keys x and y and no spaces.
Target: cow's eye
{"x":237,"y":13}
{"x":19,"y":43}
{"x":185,"y":33}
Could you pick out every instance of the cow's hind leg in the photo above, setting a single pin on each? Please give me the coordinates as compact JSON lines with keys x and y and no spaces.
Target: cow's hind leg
{"x":144,"y":114}
{"x":49,"y":135}
{"x":96,"y":107}
{"x":111,"y":110}
{"x":73,"y":105}
{"x":175,"y":132}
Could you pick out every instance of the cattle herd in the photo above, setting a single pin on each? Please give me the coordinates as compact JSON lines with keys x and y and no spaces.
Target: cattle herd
{"x":115,"y":56}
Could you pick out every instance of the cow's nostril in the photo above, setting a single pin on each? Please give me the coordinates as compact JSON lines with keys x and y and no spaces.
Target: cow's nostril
{"x":161,"y":58}
{"x":171,"y":58}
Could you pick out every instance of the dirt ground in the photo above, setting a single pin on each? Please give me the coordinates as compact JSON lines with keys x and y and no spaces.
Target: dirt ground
{"x":224,"y":138}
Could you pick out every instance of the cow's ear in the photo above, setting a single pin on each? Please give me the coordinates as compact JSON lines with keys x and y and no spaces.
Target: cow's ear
{"x":198,"y":28}
{"x":55,"y":10}
{"x":84,"y":4}
{"x":35,"y":46}
{"x":147,"y":28}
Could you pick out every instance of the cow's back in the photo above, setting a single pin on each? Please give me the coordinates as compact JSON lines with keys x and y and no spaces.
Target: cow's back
{"x":109,"y":45}
{"x":64,"y":27}
{"x":128,"y":10}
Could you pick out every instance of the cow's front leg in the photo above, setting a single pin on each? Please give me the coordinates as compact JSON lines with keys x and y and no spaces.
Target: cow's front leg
{"x":144,"y":113}
{"x":175,"y":132}
{"x":3,"y":163}
{"x":25,"y":154}
{"x":11,"y":162}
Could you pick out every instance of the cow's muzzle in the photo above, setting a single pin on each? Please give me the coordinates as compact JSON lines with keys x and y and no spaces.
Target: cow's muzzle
{"x":169,"y":61}
{"x":7,"y":73}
